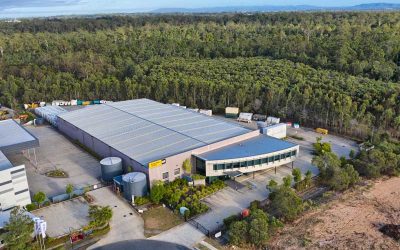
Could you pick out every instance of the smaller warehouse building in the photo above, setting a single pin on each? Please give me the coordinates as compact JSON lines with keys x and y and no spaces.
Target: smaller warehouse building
{"x":14,"y":189}
{"x":254,"y":154}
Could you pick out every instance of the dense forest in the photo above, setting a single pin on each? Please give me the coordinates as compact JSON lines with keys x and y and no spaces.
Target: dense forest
{"x":337,"y":70}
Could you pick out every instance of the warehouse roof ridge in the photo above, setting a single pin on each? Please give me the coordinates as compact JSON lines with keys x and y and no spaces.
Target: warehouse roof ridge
{"x":153,"y":122}
{"x":147,"y":130}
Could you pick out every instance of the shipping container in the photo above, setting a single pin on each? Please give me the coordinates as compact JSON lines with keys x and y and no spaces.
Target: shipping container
{"x":231,"y":112}
{"x":245,"y":117}
{"x":276,"y":130}
{"x":258,"y":117}
{"x":273,"y":120}
{"x":206,"y":112}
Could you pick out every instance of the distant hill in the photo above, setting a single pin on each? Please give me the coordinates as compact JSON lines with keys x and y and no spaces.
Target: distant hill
{"x":273,"y":8}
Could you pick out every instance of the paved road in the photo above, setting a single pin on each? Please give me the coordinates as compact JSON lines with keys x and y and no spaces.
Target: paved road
{"x":184,"y":234}
{"x":142,"y":245}
{"x":125,"y":223}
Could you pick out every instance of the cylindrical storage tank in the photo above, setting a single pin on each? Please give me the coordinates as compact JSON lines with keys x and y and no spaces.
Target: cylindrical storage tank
{"x":135,"y":184}
{"x":110,"y":168}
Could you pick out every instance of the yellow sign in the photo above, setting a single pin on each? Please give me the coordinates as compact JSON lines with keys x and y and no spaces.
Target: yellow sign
{"x":155,"y":164}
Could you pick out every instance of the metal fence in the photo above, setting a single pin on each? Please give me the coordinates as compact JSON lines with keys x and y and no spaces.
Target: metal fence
{"x":199,"y":227}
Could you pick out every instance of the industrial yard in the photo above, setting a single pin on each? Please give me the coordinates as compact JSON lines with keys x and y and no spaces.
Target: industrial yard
{"x":249,"y":152}
{"x":57,"y":152}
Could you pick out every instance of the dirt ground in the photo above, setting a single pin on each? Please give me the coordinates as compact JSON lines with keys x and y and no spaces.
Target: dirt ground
{"x":159,"y":219}
{"x":349,"y":222}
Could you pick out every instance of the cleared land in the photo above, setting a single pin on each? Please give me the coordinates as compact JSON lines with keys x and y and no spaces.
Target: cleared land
{"x":349,"y":222}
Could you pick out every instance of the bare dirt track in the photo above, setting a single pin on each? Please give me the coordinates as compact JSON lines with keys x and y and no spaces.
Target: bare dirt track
{"x":350,"y":221}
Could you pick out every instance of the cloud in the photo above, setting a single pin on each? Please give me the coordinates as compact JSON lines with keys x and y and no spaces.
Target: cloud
{"x":7,"y":4}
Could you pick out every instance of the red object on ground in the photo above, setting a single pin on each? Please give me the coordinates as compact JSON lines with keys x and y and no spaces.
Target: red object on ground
{"x":77,"y":237}
{"x":245,"y":213}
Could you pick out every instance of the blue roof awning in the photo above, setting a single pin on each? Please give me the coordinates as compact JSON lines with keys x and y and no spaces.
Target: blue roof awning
{"x":259,"y":145}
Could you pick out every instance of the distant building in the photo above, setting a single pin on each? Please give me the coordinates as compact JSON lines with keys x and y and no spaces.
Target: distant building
{"x":156,"y":138}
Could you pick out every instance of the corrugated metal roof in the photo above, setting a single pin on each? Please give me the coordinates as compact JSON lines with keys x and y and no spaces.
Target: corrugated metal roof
{"x":13,"y":137}
{"x":4,"y":162}
{"x":146,"y":130}
{"x":258,"y":145}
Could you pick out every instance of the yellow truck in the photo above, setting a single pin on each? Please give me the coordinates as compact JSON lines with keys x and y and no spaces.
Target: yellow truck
{"x":321,"y":131}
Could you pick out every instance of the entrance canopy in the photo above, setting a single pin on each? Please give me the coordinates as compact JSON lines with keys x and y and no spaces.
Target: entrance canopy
{"x":233,"y":174}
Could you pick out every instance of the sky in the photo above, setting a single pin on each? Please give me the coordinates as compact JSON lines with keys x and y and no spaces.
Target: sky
{"x":37,"y":8}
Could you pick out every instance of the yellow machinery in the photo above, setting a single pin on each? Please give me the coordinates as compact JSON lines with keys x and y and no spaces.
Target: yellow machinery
{"x":321,"y":131}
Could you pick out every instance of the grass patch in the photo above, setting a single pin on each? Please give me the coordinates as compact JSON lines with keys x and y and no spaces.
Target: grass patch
{"x":159,"y":219}
{"x":57,"y":173}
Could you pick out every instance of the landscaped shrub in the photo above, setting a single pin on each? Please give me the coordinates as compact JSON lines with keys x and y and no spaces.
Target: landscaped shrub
{"x":198,"y":177}
{"x":31,"y":207}
{"x":229,"y":220}
{"x":139,"y":201}
{"x":179,"y":194}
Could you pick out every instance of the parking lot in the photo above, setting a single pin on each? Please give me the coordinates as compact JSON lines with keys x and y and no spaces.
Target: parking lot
{"x":64,"y":217}
{"x":57,"y":152}
{"x":247,"y":188}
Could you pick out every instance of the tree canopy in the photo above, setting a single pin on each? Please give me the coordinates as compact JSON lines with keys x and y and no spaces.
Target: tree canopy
{"x":19,"y":230}
{"x":336,"y":70}
{"x":99,"y":216}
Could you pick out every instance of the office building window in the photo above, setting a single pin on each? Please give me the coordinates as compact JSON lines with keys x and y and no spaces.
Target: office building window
{"x":165,"y":176}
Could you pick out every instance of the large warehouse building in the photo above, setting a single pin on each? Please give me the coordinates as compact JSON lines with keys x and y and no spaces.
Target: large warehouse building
{"x":156,"y":138}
